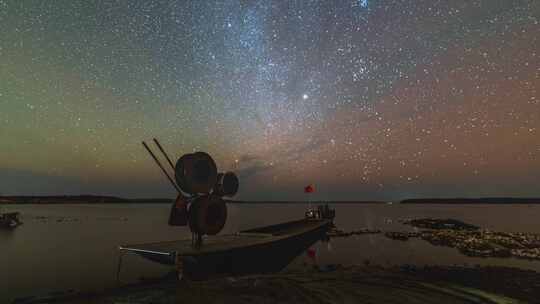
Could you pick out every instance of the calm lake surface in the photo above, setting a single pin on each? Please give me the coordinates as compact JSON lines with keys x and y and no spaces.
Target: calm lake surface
{"x":63,"y":247}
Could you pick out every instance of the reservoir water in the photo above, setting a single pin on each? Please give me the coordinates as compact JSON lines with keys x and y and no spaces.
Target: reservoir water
{"x":74,"y":247}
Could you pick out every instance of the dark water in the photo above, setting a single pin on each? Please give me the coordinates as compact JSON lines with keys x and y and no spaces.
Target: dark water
{"x":75,"y":246}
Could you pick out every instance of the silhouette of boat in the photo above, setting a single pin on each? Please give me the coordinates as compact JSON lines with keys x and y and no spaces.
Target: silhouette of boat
{"x":260,"y":250}
{"x":9,"y":220}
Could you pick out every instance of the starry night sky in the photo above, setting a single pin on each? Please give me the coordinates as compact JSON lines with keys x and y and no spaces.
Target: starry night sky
{"x":371,"y":99}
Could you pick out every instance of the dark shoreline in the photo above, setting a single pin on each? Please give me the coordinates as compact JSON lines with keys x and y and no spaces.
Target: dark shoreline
{"x":474,"y":201}
{"x":314,"y":203}
{"x":78,"y":199}
{"x":99,"y":199}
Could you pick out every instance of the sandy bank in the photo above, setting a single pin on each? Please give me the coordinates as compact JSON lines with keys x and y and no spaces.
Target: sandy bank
{"x":355,"y":284}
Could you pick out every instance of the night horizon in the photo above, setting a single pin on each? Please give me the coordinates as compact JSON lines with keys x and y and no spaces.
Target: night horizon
{"x":367,"y":100}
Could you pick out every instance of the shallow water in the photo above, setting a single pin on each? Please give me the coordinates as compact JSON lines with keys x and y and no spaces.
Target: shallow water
{"x":62,"y":247}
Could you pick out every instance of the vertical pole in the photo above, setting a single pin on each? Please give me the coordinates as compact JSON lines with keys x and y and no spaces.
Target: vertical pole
{"x":199,"y":240}
{"x":119,"y":267}
{"x":309,"y":197}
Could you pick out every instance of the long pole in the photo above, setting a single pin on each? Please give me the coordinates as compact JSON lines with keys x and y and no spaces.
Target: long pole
{"x":164,"y":153}
{"x":162,"y":169}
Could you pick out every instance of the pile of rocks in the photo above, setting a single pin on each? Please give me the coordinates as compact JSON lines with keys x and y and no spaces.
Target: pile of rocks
{"x":486,"y":243}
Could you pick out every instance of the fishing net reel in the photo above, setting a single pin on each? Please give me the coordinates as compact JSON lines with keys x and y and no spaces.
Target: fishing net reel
{"x":204,"y":209}
{"x":199,"y":204}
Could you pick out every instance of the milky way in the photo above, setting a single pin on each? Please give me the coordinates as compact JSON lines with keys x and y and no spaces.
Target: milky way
{"x":365,"y":99}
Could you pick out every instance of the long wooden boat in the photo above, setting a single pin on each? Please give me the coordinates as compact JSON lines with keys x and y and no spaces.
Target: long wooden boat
{"x":260,"y":250}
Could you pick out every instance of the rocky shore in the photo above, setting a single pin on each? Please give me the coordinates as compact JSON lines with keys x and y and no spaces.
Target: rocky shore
{"x":431,"y":223}
{"x":469,"y":239}
{"x":485,"y":243}
{"x":334,"y":232}
{"x":472,"y":241}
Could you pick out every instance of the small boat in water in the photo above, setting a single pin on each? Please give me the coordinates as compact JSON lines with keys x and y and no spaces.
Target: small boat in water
{"x":200,"y":206}
{"x":260,"y":250}
{"x":9,"y":220}
{"x":321,"y":212}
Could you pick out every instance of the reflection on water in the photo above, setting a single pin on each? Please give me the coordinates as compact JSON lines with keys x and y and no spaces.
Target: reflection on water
{"x":62,"y":247}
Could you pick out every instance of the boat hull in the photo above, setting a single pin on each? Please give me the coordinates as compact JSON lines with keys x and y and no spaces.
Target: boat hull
{"x":260,"y":250}
{"x":265,"y":257}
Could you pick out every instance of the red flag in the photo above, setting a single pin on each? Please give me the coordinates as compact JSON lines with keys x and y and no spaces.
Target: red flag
{"x":312,"y":253}
{"x":309,"y":189}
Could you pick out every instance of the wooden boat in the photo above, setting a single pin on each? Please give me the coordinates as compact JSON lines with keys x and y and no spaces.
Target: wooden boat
{"x":9,"y":220}
{"x":261,"y":250}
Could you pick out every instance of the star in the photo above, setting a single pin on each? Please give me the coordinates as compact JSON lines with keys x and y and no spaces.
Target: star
{"x":376,"y":89}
